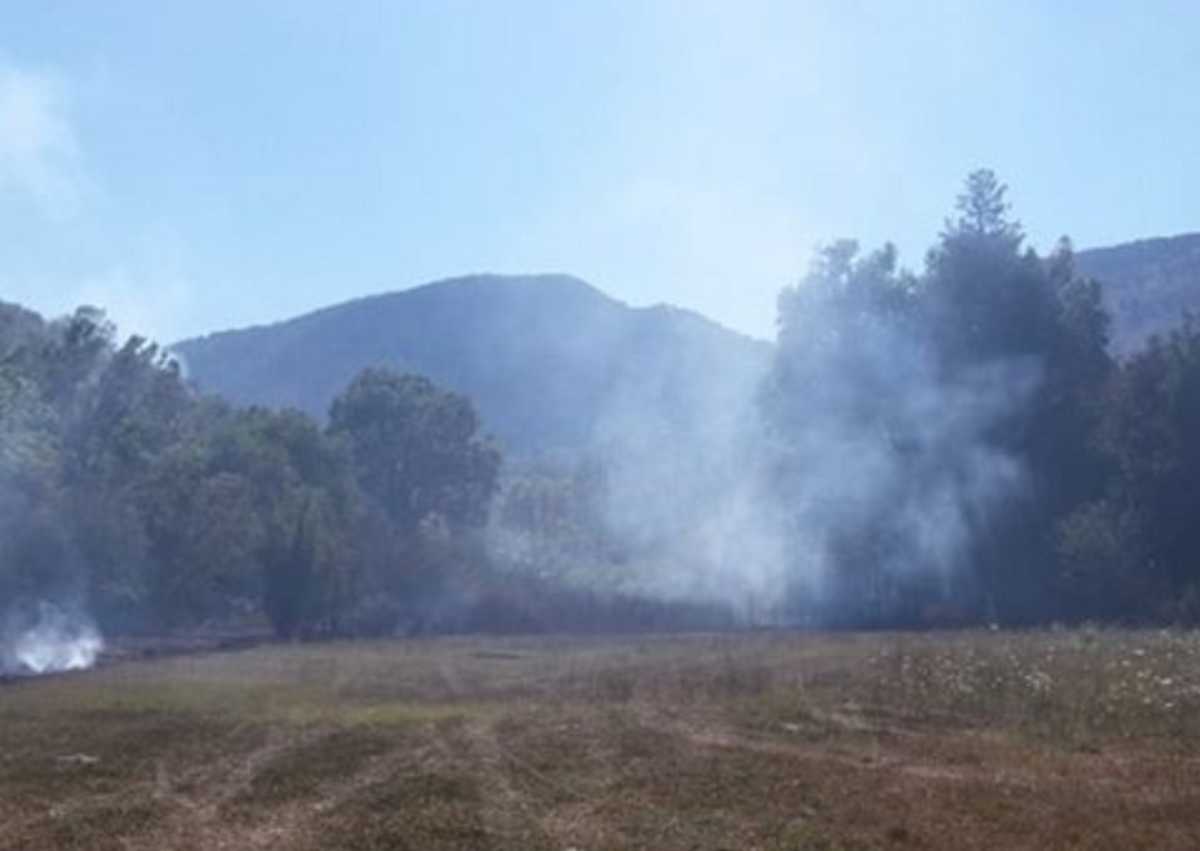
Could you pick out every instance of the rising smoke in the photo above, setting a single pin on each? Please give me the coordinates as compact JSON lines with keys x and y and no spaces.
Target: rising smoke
{"x":685,"y":485}
{"x":47,"y":638}
{"x":822,"y":481}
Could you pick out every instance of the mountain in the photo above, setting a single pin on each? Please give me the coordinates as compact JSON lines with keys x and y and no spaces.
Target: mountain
{"x":550,"y":361}
{"x":1148,"y":284}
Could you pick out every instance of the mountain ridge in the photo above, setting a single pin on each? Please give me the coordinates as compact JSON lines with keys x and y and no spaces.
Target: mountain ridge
{"x":545,"y":357}
{"x":540,"y":277}
{"x":1148,"y":284}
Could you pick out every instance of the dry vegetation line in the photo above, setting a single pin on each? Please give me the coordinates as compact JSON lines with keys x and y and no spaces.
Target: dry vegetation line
{"x":898,"y":751}
{"x":199,"y":819}
{"x":202,"y":821}
{"x":379,"y":769}
{"x":504,"y":809}
{"x":857,"y":757}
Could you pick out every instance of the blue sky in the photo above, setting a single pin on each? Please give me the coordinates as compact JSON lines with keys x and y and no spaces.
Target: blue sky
{"x":200,"y":166}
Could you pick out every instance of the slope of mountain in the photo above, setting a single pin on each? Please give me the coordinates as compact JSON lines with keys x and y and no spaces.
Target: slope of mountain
{"x":548,"y":360}
{"x":1148,"y":284}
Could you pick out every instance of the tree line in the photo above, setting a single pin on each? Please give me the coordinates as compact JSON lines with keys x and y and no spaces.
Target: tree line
{"x":951,"y":447}
{"x":1028,"y":476}
{"x":124,"y":491}
{"x":127,"y":495}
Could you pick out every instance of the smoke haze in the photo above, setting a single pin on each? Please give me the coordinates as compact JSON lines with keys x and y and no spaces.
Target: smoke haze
{"x":48,"y":638}
{"x":819,"y":484}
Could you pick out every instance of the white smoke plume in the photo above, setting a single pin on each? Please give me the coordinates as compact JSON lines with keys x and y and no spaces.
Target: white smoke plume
{"x":848,"y":475}
{"x":689,"y":499}
{"x":49,"y":639}
{"x":893,"y":464}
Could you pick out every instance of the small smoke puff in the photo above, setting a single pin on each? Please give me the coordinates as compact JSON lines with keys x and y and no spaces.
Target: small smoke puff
{"x":39,"y":153}
{"x":53,"y":640}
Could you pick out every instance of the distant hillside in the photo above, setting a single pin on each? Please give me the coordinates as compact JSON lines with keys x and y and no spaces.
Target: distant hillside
{"x":549,"y":360}
{"x":18,"y":326}
{"x":1148,"y":284}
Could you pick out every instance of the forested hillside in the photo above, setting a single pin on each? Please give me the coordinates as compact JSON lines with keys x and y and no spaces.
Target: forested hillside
{"x":127,"y":498}
{"x":1148,"y":285}
{"x":954,"y":446}
{"x":546,"y":357}
{"x":961,"y":445}
{"x":548,"y":360}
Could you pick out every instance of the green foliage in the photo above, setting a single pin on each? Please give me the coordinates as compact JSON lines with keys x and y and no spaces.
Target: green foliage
{"x":945,"y":447}
{"x":1148,"y":538}
{"x":931,"y":430}
{"x":549,"y":522}
{"x":428,"y":480}
{"x":416,"y":450}
{"x":983,"y":212}
{"x":122,"y":490}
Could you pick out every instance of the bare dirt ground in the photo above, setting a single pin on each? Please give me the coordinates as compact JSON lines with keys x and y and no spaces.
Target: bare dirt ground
{"x":759,"y":741}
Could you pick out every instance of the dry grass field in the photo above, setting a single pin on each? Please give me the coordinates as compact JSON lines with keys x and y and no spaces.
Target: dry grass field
{"x":1073,"y":739}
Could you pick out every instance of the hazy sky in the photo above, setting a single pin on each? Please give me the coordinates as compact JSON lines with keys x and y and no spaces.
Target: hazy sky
{"x":205,"y":165}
